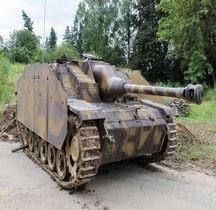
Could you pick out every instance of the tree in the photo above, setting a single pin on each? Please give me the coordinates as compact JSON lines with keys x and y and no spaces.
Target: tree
{"x":22,"y":46}
{"x":28,"y":23}
{"x":52,"y":38}
{"x":1,"y":41}
{"x":96,"y":28}
{"x":67,"y":37}
{"x":190,"y":28}
{"x":149,"y":54}
{"x":2,"y":45}
{"x":127,"y":26}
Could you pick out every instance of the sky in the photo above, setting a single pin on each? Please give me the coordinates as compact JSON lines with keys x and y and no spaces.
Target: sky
{"x":59,"y":14}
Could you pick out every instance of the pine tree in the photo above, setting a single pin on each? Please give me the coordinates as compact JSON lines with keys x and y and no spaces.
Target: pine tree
{"x":52,"y":38}
{"x":28,"y":23}
{"x":67,"y":38}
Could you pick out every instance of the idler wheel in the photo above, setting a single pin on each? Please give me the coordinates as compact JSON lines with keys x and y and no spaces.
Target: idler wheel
{"x":43,"y":151}
{"x":37,"y":146}
{"x":31,"y":141}
{"x":51,"y":157}
{"x":61,"y":165}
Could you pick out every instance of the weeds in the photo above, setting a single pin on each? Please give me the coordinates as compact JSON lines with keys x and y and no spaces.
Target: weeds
{"x":4,"y":85}
{"x":9,"y":75}
{"x":197,"y":151}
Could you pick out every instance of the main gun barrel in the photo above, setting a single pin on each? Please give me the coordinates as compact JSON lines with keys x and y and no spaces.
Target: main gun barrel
{"x":112,"y":87}
{"x":191,"y":93}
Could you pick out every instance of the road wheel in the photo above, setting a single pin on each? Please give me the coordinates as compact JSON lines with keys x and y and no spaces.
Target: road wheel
{"x":43,"y":151}
{"x":37,"y":146}
{"x":31,"y":141}
{"x":61,"y":165}
{"x":51,"y":157}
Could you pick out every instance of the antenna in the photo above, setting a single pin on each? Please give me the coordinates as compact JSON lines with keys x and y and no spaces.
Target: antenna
{"x":44,"y":31}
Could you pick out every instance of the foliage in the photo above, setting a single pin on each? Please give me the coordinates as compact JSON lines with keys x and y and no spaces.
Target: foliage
{"x":127,"y":26}
{"x":4,"y":86}
{"x":149,"y":54}
{"x":96,"y":29}
{"x":190,"y":28}
{"x":205,"y":112}
{"x":28,"y":23}
{"x":67,"y":37}
{"x":1,"y":41}
{"x":51,"y":55}
{"x":197,"y":151}
{"x":124,"y":33}
{"x":209,"y":95}
{"x":52,"y":39}
{"x":22,"y":46}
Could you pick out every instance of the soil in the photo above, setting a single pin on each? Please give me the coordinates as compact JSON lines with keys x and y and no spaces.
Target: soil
{"x":8,"y":128}
{"x":191,"y":132}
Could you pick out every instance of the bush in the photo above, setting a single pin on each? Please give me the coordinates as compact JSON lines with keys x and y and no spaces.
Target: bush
{"x":169,"y":84}
{"x":4,"y":86}
{"x":67,"y":49}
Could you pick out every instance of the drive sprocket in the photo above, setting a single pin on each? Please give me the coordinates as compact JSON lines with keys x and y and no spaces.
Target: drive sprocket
{"x":82,"y":151}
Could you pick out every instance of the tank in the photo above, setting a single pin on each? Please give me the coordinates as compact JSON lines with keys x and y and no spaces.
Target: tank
{"x":75,"y":116}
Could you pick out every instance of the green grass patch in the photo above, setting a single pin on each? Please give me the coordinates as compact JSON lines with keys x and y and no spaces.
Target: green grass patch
{"x":212,"y":147}
{"x":209,"y":95}
{"x":197,"y":151}
{"x":10,"y":73}
{"x":206,"y":112}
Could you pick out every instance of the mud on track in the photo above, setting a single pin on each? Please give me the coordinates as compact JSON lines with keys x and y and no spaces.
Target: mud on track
{"x":122,"y":185}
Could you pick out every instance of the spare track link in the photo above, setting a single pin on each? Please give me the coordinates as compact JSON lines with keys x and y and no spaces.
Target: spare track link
{"x":90,"y":164}
{"x":172,"y":143}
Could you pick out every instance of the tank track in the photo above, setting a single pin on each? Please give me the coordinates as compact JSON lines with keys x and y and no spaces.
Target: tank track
{"x":172,"y":143}
{"x":90,"y":160}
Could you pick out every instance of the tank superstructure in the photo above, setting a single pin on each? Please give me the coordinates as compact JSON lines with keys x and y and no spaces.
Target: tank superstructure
{"x":76,"y":116}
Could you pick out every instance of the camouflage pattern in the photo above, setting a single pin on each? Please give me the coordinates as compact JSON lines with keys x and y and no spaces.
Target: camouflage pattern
{"x":42,"y":104}
{"x":128,"y":124}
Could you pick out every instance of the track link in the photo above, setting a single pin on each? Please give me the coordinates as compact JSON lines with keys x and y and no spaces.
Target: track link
{"x":172,"y":142}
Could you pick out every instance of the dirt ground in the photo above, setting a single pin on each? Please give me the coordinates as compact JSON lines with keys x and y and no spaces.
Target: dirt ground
{"x":191,"y":132}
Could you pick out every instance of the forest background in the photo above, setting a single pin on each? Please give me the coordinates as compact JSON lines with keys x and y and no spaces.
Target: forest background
{"x":171,"y":42}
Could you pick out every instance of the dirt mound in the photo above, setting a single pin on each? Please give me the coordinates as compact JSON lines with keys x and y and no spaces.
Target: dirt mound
{"x":202,"y":131}
{"x":195,"y":135}
{"x":8,"y":127}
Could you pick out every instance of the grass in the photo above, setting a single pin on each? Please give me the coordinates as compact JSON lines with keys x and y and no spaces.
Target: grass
{"x":197,"y":151}
{"x":14,"y":71}
{"x":206,"y":112}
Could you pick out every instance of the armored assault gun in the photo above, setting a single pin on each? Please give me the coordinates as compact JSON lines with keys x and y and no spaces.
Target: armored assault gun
{"x":76,"y":116}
